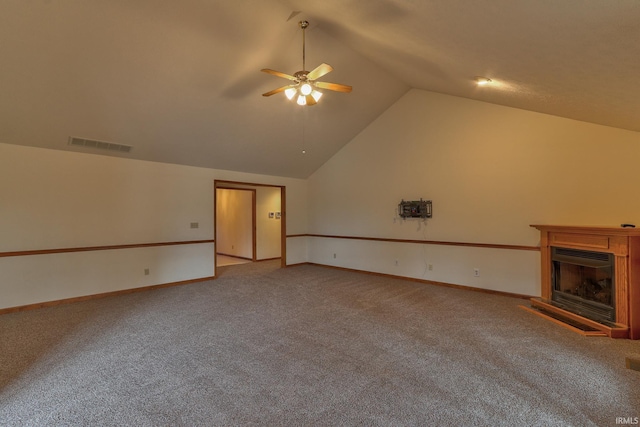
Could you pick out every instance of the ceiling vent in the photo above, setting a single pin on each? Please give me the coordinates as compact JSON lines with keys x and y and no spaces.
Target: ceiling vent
{"x":101,"y":145}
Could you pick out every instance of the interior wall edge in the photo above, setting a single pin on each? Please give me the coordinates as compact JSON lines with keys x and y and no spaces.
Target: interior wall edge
{"x":101,"y":295}
{"x":424,"y":281}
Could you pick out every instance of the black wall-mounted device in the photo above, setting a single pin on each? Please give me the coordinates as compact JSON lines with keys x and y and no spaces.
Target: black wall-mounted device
{"x":415,"y":209}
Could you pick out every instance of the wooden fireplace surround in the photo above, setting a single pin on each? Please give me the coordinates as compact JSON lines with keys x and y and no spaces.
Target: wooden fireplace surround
{"x":624,"y":244}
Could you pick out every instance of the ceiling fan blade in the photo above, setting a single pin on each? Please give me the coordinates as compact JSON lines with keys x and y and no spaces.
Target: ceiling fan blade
{"x":273,"y":92}
{"x":277,"y":73}
{"x":319,"y":71}
{"x":333,"y":86}
{"x":310,"y":100}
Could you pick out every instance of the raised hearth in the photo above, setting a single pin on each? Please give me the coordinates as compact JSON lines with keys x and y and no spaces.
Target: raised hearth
{"x":591,"y":277}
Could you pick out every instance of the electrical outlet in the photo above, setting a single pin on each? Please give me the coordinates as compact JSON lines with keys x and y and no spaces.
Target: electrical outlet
{"x":195,"y":225}
{"x":146,"y":271}
{"x":396,"y":263}
{"x":334,"y":255}
{"x":430,"y":267}
{"x":476,"y":272}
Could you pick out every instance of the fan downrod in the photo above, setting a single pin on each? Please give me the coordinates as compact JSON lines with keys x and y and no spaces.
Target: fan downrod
{"x":303,"y":25}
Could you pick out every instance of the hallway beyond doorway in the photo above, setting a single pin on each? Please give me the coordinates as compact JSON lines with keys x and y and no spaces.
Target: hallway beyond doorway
{"x":222,"y":260}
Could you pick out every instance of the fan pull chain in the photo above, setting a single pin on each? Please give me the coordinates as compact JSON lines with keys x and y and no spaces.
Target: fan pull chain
{"x":304,"y":150}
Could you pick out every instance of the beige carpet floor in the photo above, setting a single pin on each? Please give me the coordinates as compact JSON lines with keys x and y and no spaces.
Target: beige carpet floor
{"x":307,"y":345}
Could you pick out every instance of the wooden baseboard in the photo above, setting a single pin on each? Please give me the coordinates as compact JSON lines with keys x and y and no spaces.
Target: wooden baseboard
{"x":102,"y":295}
{"x":234,"y":256}
{"x":185,"y":282}
{"x":297,"y":264}
{"x":424,"y":281}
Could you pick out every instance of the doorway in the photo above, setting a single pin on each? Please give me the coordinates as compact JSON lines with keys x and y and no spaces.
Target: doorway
{"x":249,"y":222}
{"x":236,"y":225}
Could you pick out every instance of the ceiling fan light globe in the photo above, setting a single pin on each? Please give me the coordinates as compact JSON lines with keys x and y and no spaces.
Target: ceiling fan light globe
{"x":316,"y":95}
{"x":306,"y":89}
{"x":302,"y":100}
{"x":290,"y":93}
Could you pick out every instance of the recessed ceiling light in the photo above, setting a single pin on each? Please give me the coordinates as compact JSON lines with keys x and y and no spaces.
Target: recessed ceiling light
{"x":482,"y":81}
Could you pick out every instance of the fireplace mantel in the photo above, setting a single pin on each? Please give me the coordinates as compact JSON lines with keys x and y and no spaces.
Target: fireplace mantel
{"x":624,"y":244}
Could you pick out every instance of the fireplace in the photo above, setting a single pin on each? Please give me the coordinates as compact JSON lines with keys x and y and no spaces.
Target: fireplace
{"x":583,"y":283}
{"x":590,"y":279}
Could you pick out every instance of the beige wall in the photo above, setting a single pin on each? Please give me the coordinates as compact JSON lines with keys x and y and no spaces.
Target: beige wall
{"x":234,"y":222}
{"x":51,"y":199}
{"x":491,"y":171}
{"x":268,"y":229}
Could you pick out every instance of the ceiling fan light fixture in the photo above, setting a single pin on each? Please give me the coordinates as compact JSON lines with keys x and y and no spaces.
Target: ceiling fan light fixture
{"x":290,"y":93}
{"x":306,"y":89}
{"x":303,"y":84}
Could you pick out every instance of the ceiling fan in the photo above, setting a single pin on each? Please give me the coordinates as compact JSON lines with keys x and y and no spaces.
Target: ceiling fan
{"x":305,"y":83}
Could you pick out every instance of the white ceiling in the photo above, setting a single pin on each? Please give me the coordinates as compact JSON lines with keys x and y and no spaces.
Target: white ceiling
{"x":180,"y":81}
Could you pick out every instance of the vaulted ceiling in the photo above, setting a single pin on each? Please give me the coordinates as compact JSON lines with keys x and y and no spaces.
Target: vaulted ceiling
{"x":180,"y":81}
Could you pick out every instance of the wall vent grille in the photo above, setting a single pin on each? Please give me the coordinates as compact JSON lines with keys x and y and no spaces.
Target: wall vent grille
{"x":101,"y":145}
{"x":600,"y":256}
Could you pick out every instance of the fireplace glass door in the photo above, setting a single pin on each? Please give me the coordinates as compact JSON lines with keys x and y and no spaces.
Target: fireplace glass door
{"x":583,"y":283}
